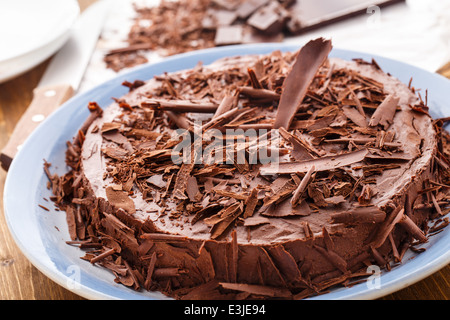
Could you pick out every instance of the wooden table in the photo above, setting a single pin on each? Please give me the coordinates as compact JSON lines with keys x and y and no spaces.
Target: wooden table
{"x":19,"y":280}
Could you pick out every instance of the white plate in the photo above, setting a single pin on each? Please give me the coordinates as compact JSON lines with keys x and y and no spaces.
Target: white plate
{"x":31,"y":31}
{"x":41,"y":235}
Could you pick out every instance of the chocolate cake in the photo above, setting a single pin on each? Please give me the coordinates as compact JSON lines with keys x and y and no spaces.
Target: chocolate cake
{"x":358,"y":171}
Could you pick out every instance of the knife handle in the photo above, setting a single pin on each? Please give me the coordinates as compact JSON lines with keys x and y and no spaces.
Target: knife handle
{"x":45,"y":101}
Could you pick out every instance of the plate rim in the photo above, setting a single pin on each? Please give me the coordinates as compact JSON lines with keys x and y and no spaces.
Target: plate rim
{"x":90,"y":293}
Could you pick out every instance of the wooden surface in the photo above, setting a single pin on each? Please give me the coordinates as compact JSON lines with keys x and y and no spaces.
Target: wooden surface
{"x":45,"y":101}
{"x":19,"y":280}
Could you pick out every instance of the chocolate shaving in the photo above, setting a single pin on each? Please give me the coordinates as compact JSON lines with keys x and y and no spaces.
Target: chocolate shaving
{"x":286,"y":264}
{"x":371,"y":214}
{"x":330,"y":254}
{"x":192,"y":189}
{"x":180,"y":106}
{"x":412,"y":228}
{"x":143,"y":133}
{"x":157,"y":180}
{"x":228,"y":102}
{"x":150,"y":270}
{"x":308,"y":61}
{"x":386,"y":227}
{"x":95,"y":112}
{"x":258,"y":289}
{"x":103,"y":255}
{"x":254,"y":79}
{"x":250,"y":203}
{"x":301,"y":150}
{"x":115,"y":153}
{"x":355,"y":116}
{"x":285,"y":209}
{"x":223,"y":219}
{"x":302,"y":186}
{"x":110,"y":126}
{"x":181,"y":181}
{"x":71,"y":225}
{"x":255,"y":221}
{"x":335,"y":200}
{"x":162,"y":237}
{"x":259,"y":93}
{"x":385,"y":112}
{"x":120,"y":199}
{"x":321,"y":164}
{"x":280,"y":194}
{"x":119,"y":139}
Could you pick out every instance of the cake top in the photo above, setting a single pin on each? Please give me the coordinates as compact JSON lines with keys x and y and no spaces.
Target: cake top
{"x":277,"y":147}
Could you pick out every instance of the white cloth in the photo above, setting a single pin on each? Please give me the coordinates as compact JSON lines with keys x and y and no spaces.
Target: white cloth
{"x":416,"y":32}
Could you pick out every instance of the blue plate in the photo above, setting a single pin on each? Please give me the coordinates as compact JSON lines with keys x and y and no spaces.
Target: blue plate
{"x":41,"y":235}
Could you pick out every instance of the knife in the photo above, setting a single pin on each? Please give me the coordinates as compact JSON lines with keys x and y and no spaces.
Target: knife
{"x":61,"y":79}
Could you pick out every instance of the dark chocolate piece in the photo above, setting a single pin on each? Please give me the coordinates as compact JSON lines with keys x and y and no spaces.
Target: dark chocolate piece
{"x":269,"y":19}
{"x":227,"y":35}
{"x":182,"y":26}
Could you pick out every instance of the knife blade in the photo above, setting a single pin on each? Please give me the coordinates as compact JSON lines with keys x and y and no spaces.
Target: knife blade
{"x":61,"y":79}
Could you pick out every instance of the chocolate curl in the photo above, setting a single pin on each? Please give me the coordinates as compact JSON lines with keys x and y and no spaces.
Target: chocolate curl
{"x":301,"y":150}
{"x":378,"y":257}
{"x":71,"y":224}
{"x":96,"y":112}
{"x":387,"y":226}
{"x":321,"y":164}
{"x":132,"y":275}
{"x":257,"y":289}
{"x":168,"y":272}
{"x":309,"y":234}
{"x":256,"y":126}
{"x":181,"y":180}
{"x":398,"y":218}
{"x":302,"y":186}
{"x":358,"y":105}
{"x":295,"y":87}
{"x":385,"y":112}
{"x":228,"y":102}
{"x":223,"y":117}
{"x":394,"y":249}
{"x":254,"y":79}
{"x":150,"y":270}
{"x":412,"y":228}
{"x":333,"y":258}
{"x":164,"y":237}
{"x":181,"y":106}
{"x":179,"y":119}
{"x":233,"y":264}
{"x":103,"y":255}
{"x":436,"y":204}
{"x":262,"y":94}
{"x":250,"y":203}
{"x":371,"y":214}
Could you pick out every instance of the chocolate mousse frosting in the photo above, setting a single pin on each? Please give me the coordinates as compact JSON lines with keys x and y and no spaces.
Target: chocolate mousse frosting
{"x":361,"y":176}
